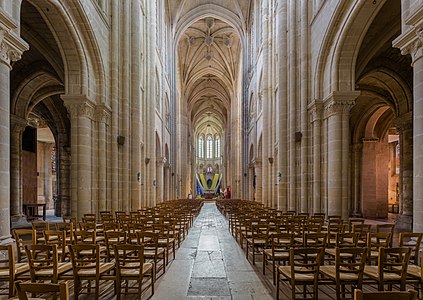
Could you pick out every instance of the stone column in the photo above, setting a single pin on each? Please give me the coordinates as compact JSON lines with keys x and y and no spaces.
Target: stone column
{"x":82,"y":114}
{"x":17,"y":127}
{"x":251,"y":179}
{"x":11,"y":48}
{"x":404,"y":125}
{"x":316,"y":121}
{"x":159,"y":179}
{"x":356,"y":175}
{"x":102,"y":115}
{"x":259,"y":180}
{"x":336,"y":110}
{"x":411,"y":42}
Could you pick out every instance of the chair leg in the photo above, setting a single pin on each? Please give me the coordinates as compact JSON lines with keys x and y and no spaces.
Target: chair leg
{"x":118,"y":288}
{"x":277,"y":284}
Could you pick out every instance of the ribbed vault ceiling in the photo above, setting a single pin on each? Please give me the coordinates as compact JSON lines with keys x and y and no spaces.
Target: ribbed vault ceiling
{"x":209,"y":53}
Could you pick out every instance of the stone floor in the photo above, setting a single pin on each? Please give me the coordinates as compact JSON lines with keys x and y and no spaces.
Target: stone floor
{"x":211,"y":265}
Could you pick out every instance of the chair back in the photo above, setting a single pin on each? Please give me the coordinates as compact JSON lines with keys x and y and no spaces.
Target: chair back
{"x":393,"y":262}
{"x":397,"y":295}
{"x":24,"y":237}
{"x":32,"y":288}
{"x":58,"y":238}
{"x":85,"y":258}
{"x":349,"y":263}
{"x":412,"y":240}
{"x":305,"y":263}
{"x":315,"y":240}
{"x":129,"y":258}
{"x":43,"y":261}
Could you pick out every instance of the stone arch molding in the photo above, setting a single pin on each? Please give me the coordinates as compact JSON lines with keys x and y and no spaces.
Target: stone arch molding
{"x":70,"y":26}
{"x":35,"y":88}
{"x":335,"y":68}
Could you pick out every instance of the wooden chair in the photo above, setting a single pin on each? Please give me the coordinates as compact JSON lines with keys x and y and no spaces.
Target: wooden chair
{"x":40,"y":289}
{"x":280,"y":244}
{"x":44,"y":264}
{"x":40,"y":227}
{"x":409,"y":295}
{"x":165,"y":239}
{"x":391,"y":268}
{"x":24,"y":237}
{"x":376,"y":240}
{"x":9,"y":270}
{"x":412,"y":240}
{"x":113,"y":238}
{"x":92,"y":227}
{"x":86,"y":266}
{"x":68,"y":228}
{"x":259,"y":239}
{"x":152,"y":251}
{"x":58,"y":238}
{"x":130,"y":265}
{"x":303,"y":269}
{"x":348,"y":269}
{"x":343,"y":240}
{"x":362,"y":230}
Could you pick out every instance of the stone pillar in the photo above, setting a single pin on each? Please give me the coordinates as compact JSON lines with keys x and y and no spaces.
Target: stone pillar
{"x":159,"y":179}
{"x":17,"y":127}
{"x":404,"y":125}
{"x":411,"y":42}
{"x":102,"y":115}
{"x":251,"y":181}
{"x":282,"y":45}
{"x":316,"y":121}
{"x":82,"y":114}
{"x":336,"y":110}
{"x":266,"y":94}
{"x":259,"y":180}
{"x":11,"y":48}
{"x":356,"y":175}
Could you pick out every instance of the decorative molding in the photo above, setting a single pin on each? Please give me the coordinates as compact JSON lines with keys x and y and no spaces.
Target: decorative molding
{"x":17,"y":123}
{"x":11,"y":46}
{"x":103,"y":114}
{"x":339,"y":102}
{"x":315,"y":110}
{"x":79,"y":106}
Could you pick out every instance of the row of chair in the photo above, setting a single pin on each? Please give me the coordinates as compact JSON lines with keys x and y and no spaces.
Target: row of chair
{"x":73,"y":251}
{"x":312,"y":250}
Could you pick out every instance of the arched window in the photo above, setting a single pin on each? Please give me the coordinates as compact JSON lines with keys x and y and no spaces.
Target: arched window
{"x":201,"y":147}
{"x":209,"y":146}
{"x":217,"y":146}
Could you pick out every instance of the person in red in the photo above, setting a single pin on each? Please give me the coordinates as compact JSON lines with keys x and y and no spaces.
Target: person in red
{"x":228,"y":192}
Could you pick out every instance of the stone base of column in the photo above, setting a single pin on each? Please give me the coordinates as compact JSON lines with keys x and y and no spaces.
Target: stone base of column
{"x":404,"y":222}
{"x":19,"y":221}
{"x":6,"y":240}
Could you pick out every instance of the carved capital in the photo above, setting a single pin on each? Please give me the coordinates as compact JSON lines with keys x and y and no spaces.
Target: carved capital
{"x":11,"y":47}
{"x":315,"y":110}
{"x":161,"y":161}
{"x":17,"y":124}
{"x":79,"y":106}
{"x":339,"y":102}
{"x":102,"y":114}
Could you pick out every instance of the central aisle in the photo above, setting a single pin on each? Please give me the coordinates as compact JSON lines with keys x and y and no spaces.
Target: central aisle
{"x":210,"y":264}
